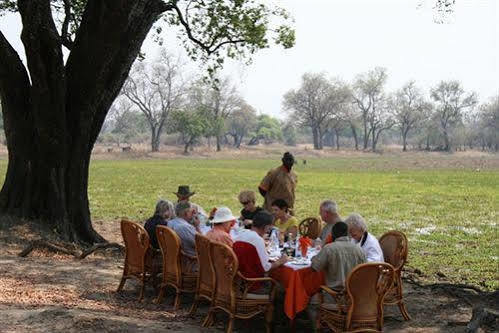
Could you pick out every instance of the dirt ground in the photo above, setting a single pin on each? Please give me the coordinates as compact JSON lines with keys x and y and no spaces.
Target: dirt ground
{"x":47,"y":292}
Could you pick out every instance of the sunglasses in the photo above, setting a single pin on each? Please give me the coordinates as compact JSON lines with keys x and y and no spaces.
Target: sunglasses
{"x":244,"y":203}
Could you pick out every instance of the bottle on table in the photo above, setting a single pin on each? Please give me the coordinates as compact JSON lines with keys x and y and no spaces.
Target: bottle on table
{"x":297,"y":246}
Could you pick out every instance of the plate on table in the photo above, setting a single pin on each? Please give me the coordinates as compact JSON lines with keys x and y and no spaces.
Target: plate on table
{"x":299,"y":262}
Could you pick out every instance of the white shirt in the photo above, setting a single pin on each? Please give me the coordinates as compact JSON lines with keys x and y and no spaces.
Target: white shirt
{"x":371,"y":248}
{"x":251,"y":237}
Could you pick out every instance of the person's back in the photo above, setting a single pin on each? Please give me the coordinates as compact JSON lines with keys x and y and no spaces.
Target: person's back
{"x":337,"y":259}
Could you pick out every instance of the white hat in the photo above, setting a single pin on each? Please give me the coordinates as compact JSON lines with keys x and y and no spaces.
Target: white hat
{"x":223,"y":214}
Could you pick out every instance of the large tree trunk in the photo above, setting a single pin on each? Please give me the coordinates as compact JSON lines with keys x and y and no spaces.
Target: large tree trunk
{"x":154,"y":139}
{"x":315,"y":136}
{"x":404,"y":139}
{"x":337,"y":134}
{"x":354,"y":133}
{"x":366,"y":134}
{"x":51,"y":124}
{"x":219,"y":145}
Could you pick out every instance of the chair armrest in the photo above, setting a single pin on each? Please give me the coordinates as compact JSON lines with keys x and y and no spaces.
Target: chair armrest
{"x":330,"y":291}
{"x":339,"y":297}
{"x":263,"y":279}
{"x":251,"y":281}
{"x":189,"y":256}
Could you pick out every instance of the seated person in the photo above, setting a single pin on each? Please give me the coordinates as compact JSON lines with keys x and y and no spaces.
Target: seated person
{"x":222,"y":223}
{"x":184,"y":194}
{"x":183,"y":227}
{"x":163,"y":212}
{"x":357,"y":229}
{"x":328,"y":211}
{"x":338,"y":258}
{"x":286,"y":223}
{"x":249,"y":248}
{"x":248,"y":200}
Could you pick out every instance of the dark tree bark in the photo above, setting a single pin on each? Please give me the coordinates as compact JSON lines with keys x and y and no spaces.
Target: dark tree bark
{"x":52,"y":123}
{"x":404,"y":138}
{"x":315,"y":133}
{"x":354,"y":133}
{"x":337,"y":134}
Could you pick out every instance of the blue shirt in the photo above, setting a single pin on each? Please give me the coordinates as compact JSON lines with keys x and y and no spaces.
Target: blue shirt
{"x":186,"y":232}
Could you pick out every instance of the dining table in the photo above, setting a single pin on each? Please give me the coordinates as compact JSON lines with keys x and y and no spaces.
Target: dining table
{"x":300,"y":283}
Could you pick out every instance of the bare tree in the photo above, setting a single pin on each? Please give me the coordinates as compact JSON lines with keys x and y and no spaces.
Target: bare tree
{"x":367,"y":94}
{"x":316,"y":104}
{"x":156,"y":90}
{"x":409,"y":108}
{"x":305,"y":105}
{"x":380,"y":120}
{"x":241,"y":122}
{"x":451,"y":101}
{"x":488,"y":121}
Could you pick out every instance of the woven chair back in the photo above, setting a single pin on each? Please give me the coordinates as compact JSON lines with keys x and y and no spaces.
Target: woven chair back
{"x":206,"y":272}
{"x":169,"y":243}
{"x":310,"y":227}
{"x":395,"y":248}
{"x":225,"y":265}
{"x":136,"y":245}
{"x":367,"y":285}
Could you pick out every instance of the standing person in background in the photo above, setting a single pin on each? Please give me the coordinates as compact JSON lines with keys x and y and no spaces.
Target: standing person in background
{"x":164,"y":211}
{"x":248,"y":200}
{"x":280,"y":183}
{"x":329,"y":214}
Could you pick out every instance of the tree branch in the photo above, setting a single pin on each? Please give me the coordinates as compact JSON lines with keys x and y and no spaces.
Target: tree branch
{"x":65,"y":36}
{"x":107,"y":43}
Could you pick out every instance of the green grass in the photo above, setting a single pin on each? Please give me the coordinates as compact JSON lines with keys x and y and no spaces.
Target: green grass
{"x":450,"y":216}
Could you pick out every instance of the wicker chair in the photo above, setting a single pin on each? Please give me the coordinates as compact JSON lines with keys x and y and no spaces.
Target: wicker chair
{"x":139,"y":261}
{"x":359,"y":307}
{"x":395,"y":248}
{"x":206,"y":281}
{"x":231,"y":290}
{"x":310,"y":227}
{"x":175,"y":273}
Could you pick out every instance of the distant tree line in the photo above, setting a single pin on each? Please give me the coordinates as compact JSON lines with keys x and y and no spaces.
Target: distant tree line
{"x":159,"y":98}
{"x":446,"y":118}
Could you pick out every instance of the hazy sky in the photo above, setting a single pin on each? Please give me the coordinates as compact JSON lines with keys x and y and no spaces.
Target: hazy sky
{"x":346,"y":37}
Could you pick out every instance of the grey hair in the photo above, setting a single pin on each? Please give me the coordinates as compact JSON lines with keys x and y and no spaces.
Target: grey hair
{"x":356,"y":221}
{"x":181,"y":207}
{"x":163,"y":206}
{"x":329,"y":206}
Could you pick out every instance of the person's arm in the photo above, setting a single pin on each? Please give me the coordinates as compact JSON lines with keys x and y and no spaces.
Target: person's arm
{"x":262,"y":191}
{"x":266,"y":183}
{"x":319,"y":262}
{"x":262,"y":254}
{"x":281,"y":261}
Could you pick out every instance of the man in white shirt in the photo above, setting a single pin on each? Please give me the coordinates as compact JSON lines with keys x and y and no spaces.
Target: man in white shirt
{"x":357,"y":229}
{"x":249,"y":247}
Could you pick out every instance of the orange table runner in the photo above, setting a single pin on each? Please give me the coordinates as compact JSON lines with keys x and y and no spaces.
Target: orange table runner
{"x":300,"y":285}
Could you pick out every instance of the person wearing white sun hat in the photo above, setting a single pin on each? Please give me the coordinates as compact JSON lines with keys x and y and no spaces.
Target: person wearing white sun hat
{"x":222,"y":221}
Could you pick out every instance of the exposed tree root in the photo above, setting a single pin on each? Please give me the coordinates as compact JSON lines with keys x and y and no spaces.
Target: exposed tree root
{"x":67,"y":248}
{"x":44,"y":244}
{"x":101,"y":246}
{"x":482,"y":316}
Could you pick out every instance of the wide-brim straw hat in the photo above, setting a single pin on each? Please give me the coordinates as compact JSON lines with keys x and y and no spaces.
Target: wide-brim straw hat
{"x":222,"y":215}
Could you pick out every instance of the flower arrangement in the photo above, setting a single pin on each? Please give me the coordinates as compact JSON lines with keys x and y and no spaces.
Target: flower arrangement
{"x":304,"y":243}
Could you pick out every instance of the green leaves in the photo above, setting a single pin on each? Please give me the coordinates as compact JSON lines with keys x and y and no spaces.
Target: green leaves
{"x":216,"y":29}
